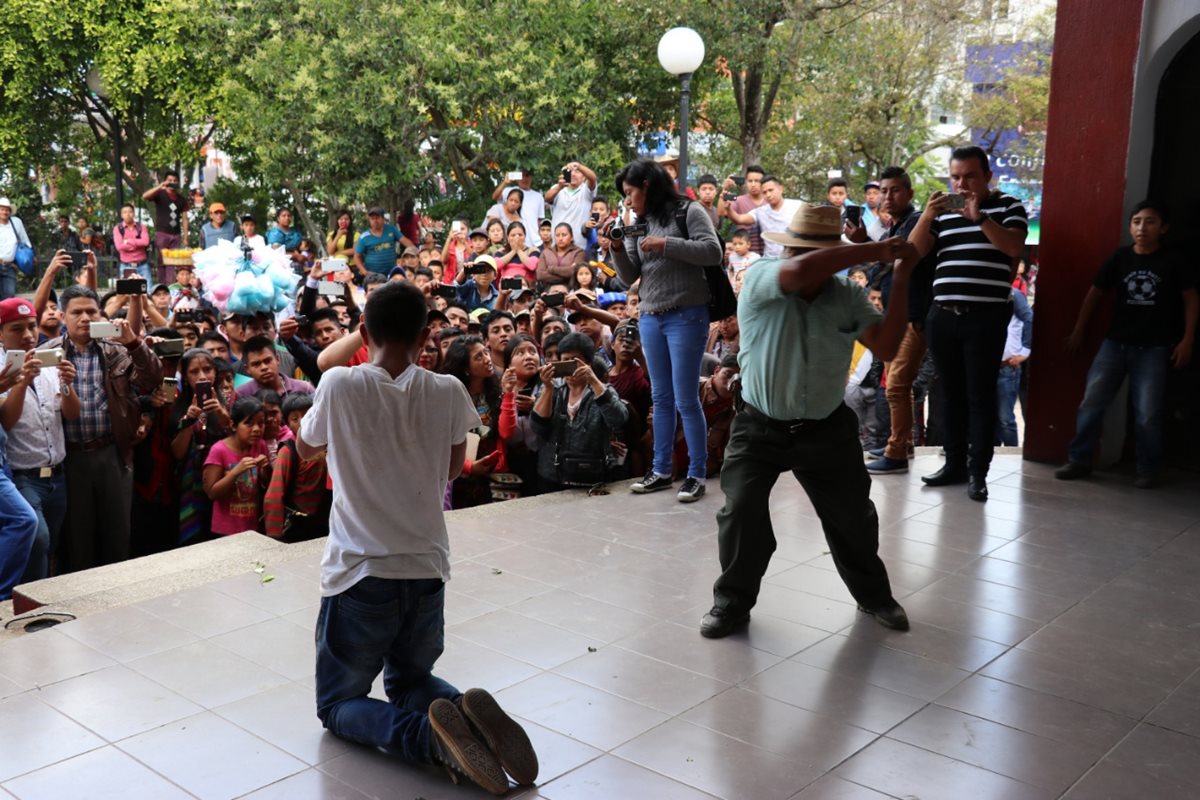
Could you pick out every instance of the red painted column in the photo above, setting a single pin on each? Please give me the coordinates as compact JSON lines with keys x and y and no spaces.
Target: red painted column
{"x":1087,"y":141}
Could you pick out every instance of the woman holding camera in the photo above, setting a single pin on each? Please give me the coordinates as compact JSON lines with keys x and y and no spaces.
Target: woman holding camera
{"x":198,"y":419}
{"x":673,"y":314}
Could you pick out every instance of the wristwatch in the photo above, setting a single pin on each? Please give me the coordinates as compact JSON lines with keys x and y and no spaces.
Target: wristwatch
{"x":64,"y":389}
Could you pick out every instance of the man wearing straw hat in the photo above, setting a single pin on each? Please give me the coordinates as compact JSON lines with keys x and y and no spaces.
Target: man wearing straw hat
{"x":798,"y":327}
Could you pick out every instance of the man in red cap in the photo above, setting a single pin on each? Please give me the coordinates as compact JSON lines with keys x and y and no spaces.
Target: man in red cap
{"x":31,"y":413}
{"x":18,"y":523}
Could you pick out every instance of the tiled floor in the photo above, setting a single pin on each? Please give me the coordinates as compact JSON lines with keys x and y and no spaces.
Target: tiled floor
{"x":1055,"y":652}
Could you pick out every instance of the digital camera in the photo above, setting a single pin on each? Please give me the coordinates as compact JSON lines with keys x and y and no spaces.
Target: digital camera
{"x":620,"y":231}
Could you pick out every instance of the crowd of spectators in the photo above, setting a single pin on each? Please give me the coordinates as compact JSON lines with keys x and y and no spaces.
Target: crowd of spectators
{"x":178,"y":425}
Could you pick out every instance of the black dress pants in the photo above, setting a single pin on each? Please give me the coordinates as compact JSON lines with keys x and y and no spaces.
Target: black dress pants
{"x":967,"y":345}
{"x":826,"y":459}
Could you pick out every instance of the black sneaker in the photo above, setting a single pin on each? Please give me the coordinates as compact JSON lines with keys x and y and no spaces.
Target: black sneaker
{"x":503,"y":735}
{"x":691,"y":491}
{"x":719,"y":622}
{"x":653,"y":482}
{"x":457,"y":749}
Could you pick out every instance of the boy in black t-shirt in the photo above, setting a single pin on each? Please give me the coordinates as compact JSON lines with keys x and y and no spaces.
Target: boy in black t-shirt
{"x":1149,"y":283}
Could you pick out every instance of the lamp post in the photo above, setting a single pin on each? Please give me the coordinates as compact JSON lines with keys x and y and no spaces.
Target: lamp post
{"x":95,"y":85}
{"x":681,"y":51}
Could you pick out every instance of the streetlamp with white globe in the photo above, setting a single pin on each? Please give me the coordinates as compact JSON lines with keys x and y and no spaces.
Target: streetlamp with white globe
{"x":681,"y":51}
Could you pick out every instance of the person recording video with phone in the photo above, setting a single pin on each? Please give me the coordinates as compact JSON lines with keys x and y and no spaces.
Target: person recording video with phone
{"x":32,"y":414}
{"x":673,"y":314}
{"x":113,"y":366}
{"x":575,"y":419}
{"x":977,"y":235}
{"x":199,"y":418}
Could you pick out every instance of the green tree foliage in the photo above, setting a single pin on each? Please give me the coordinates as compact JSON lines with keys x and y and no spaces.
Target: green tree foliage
{"x":153,"y":80}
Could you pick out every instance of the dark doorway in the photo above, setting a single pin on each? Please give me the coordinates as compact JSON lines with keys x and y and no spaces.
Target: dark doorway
{"x":1173,"y":182}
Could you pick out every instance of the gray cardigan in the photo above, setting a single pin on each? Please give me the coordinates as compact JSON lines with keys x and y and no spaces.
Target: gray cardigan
{"x":675,"y":277}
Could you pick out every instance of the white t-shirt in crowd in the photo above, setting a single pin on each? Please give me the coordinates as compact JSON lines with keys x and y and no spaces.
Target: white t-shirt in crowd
{"x":388,"y":454}
{"x":533,"y":210}
{"x":257,"y":242}
{"x":574,"y":207}
{"x":771,"y":221}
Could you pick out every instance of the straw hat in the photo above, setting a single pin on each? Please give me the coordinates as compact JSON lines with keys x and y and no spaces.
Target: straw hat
{"x":4,"y":201}
{"x":811,"y":226}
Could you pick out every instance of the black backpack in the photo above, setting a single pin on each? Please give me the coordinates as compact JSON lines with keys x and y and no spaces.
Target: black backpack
{"x":722,"y":301}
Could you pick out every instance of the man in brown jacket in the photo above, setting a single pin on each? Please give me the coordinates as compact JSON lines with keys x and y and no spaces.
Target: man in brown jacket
{"x":110,"y":374}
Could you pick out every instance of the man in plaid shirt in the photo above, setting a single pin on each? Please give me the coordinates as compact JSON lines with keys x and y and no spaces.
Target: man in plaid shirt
{"x":110,"y":374}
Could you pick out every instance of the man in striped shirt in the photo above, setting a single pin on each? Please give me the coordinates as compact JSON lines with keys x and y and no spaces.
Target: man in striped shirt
{"x":977,"y":235}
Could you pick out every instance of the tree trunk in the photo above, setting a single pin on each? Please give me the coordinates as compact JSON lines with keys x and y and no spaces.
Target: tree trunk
{"x":310,"y":230}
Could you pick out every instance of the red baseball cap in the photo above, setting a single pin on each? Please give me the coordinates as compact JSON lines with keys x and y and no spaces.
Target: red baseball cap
{"x":16,"y":308}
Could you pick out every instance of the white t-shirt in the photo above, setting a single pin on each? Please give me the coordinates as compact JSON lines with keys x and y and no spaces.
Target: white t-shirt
{"x":257,"y":242}
{"x":574,"y":207}
{"x":389,"y":453}
{"x":771,"y":221}
{"x":533,"y":210}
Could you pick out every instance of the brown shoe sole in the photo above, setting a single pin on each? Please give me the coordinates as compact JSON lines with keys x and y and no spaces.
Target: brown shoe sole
{"x":506,"y":738}
{"x":476,"y":761}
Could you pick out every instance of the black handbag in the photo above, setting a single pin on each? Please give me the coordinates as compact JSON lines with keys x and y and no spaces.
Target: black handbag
{"x":722,"y":302}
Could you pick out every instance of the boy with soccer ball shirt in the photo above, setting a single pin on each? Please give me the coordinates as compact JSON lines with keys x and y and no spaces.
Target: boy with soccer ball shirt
{"x":1142,"y":339}
{"x":383,"y":574}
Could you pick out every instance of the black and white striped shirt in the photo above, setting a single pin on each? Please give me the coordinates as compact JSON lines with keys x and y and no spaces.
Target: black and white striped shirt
{"x":970,"y":269}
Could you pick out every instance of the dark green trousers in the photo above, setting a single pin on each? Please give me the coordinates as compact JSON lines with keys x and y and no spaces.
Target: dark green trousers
{"x":826,"y":458}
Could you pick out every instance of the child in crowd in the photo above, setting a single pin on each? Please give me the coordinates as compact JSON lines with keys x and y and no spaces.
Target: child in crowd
{"x":296,"y":507}
{"x":275,"y":433}
{"x":741,"y":256}
{"x":237,"y":469}
{"x":383,"y":575}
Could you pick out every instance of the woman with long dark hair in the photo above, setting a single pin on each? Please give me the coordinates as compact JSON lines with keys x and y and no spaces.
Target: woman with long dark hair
{"x":468,"y":360}
{"x":517,"y":260}
{"x":673,"y":314}
{"x":198,"y":419}
{"x":340,"y":242}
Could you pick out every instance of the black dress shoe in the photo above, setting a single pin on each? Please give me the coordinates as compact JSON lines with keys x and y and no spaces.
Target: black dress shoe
{"x":720,"y":622}
{"x":946,"y":476}
{"x":889,"y":616}
{"x":977,"y":489}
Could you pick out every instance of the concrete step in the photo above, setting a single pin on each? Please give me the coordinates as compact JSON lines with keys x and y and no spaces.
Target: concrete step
{"x":114,"y":585}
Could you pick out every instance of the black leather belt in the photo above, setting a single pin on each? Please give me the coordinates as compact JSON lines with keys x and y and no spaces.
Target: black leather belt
{"x":966,"y":308}
{"x":784,"y":425}
{"x":40,"y":472}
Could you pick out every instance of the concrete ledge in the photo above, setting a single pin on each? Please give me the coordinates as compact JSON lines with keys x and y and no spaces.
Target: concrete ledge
{"x":162,"y":573}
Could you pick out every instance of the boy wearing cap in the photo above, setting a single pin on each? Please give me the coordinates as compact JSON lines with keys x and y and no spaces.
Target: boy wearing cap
{"x":248,"y":235}
{"x":791,"y":417}
{"x":375,"y":250}
{"x":476,"y":290}
{"x":217,"y":228}
{"x":31,"y":414}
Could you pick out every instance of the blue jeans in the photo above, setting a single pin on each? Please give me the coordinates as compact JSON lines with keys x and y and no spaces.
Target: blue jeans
{"x":18,"y":528}
{"x":674,"y":346}
{"x":1147,"y":371}
{"x":8,"y":281}
{"x":390,"y":625}
{"x":143,"y":271}
{"x":48,"y":499}
{"x":1008,"y":386}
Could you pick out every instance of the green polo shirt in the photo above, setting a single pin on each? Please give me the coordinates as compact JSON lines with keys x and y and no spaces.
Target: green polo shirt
{"x":795,"y":355}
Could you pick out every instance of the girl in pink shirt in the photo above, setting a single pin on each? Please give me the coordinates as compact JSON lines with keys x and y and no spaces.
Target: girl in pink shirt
{"x":237,"y":471}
